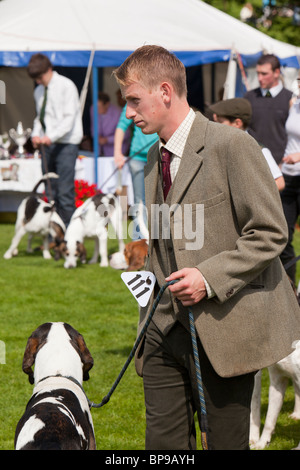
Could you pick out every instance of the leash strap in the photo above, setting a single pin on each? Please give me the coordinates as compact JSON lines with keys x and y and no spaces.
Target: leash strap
{"x":126,"y":161}
{"x":203,"y":418}
{"x":290,"y":263}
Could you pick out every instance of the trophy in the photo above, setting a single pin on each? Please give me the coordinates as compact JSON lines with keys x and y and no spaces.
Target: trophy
{"x":4,"y":146}
{"x":20,"y":136}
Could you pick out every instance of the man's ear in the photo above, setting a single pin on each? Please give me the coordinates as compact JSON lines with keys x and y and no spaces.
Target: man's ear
{"x":166,"y":91}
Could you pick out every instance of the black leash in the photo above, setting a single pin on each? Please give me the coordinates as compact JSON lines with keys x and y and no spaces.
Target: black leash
{"x":126,"y":161}
{"x":203,"y":418}
{"x":291,"y":262}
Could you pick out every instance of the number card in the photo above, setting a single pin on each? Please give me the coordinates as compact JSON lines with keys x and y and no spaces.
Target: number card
{"x":140,"y":284}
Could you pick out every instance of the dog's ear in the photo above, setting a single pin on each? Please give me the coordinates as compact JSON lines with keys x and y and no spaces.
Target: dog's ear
{"x":34,"y":344}
{"x":59,"y":249}
{"x":81,"y":252}
{"x":78,"y":343}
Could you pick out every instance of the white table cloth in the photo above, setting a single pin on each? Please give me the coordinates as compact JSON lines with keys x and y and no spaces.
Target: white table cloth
{"x":19,"y":176}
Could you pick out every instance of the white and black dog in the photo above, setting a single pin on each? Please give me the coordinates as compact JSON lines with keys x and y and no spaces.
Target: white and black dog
{"x":280,"y":374}
{"x":36,"y":217}
{"x":90,"y":221}
{"x":57,"y":416}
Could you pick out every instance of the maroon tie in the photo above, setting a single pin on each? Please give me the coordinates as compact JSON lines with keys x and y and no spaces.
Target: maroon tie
{"x":165,"y":164}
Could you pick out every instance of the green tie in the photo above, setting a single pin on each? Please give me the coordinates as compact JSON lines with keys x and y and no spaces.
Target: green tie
{"x":268,"y":94}
{"x":42,"y":113}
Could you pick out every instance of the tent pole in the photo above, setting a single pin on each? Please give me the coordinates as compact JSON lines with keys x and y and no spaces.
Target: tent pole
{"x":95,"y":112}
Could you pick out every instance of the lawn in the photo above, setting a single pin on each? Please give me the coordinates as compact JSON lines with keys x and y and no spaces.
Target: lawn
{"x":97,"y":303}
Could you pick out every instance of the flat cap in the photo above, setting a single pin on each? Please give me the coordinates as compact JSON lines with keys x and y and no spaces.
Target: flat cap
{"x":235,"y":107}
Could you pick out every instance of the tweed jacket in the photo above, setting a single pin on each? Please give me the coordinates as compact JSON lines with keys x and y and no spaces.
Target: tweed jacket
{"x":254,"y":317}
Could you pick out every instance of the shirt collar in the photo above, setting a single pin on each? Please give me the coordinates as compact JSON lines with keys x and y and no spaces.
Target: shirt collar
{"x":177,"y":141}
{"x":275,"y":90}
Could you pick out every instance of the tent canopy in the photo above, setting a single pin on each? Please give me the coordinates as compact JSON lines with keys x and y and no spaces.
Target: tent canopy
{"x":68,"y":30}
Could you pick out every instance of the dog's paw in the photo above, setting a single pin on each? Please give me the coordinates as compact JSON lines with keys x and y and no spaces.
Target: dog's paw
{"x":295,"y":415}
{"x":7,"y":255}
{"x":104,"y":264}
{"x":47,"y":255}
{"x":261,"y":444}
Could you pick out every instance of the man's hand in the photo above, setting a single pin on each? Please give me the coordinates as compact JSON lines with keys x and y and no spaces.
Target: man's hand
{"x":35,"y":141}
{"x":46,"y":141}
{"x":190,"y":289}
{"x":119,"y":160}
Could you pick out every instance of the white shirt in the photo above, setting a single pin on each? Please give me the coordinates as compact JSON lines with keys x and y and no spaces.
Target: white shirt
{"x":293,"y":143}
{"x":63,"y":115}
{"x":275,"y":90}
{"x":177,"y":142}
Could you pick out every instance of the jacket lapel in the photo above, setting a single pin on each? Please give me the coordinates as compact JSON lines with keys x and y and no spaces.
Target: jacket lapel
{"x":191,"y":160}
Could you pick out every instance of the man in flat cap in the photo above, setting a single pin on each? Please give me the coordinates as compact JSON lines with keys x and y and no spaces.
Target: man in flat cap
{"x":237,"y":112}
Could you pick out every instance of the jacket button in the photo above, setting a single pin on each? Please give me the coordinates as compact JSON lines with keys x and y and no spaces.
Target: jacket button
{"x":229,"y":293}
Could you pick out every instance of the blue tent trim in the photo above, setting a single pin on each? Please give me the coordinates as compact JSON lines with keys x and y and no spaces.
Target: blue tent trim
{"x":115,"y":58}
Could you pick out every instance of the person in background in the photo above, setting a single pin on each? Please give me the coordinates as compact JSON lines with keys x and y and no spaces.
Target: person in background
{"x":57,"y":130}
{"x":139,"y":147}
{"x":226,"y":271}
{"x":290,"y":168}
{"x":236,"y":112}
{"x":108,"y":118}
{"x":270,"y":107}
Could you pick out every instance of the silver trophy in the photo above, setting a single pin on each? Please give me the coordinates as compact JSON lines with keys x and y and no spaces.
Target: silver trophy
{"x":20,"y":136}
{"x":4,"y":146}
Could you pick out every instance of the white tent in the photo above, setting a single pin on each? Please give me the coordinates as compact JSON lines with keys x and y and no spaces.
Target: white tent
{"x":69,"y":29}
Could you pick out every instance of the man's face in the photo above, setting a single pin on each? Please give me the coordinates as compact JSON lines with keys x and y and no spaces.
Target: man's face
{"x":145,"y":107}
{"x":266,"y":76}
{"x":44,"y":78}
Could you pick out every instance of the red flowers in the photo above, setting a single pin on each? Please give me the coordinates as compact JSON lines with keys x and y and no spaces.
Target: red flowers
{"x":83,"y":191}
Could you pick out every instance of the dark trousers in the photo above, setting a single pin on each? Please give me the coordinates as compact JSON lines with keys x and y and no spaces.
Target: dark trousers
{"x":171,"y":396}
{"x":290,"y":198}
{"x":61,"y":159}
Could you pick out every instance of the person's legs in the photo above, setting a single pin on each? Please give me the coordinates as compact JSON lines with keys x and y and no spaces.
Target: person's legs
{"x":138,"y":184}
{"x":171,"y":396}
{"x":49,"y":166}
{"x":66,"y":155}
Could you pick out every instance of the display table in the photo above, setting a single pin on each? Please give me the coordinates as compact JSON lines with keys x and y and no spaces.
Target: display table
{"x":19,"y":176}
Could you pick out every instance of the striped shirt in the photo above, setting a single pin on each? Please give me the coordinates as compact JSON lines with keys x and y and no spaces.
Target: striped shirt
{"x":177,"y":141}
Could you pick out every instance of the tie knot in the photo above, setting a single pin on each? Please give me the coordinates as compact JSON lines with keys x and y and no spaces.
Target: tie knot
{"x":268,"y":94}
{"x":166,"y":156}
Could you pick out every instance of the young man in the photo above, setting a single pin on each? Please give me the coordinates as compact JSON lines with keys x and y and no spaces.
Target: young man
{"x":229,"y":273}
{"x":237,"y":112}
{"x":270,"y":107}
{"x":57,"y":129}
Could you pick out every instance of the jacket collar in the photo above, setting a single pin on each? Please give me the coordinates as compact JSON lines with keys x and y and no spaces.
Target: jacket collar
{"x":190,"y":163}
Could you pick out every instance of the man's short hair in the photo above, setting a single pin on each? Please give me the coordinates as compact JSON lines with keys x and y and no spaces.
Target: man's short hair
{"x":269,"y":59}
{"x":151,"y":65}
{"x":103,"y":97}
{"x":38,"y":65}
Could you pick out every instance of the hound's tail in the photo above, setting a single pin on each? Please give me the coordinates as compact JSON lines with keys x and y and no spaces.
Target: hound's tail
{"x":45,"y":177}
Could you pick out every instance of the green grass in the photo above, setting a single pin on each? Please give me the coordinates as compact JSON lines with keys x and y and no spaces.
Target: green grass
{"x":97,"y":303}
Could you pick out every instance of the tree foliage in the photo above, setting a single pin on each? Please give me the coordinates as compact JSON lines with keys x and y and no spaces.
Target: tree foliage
{"x":279,"y":21}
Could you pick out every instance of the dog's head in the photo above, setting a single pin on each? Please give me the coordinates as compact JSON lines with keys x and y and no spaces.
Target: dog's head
{"x":39,"y":338}
{"x":71,"y":252}
{"x":135,"y":253}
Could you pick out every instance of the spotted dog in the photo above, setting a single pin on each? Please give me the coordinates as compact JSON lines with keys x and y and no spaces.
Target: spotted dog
{"x":57,"y":416}
{"x":90,"y":221}
{"x":36,"y":217}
